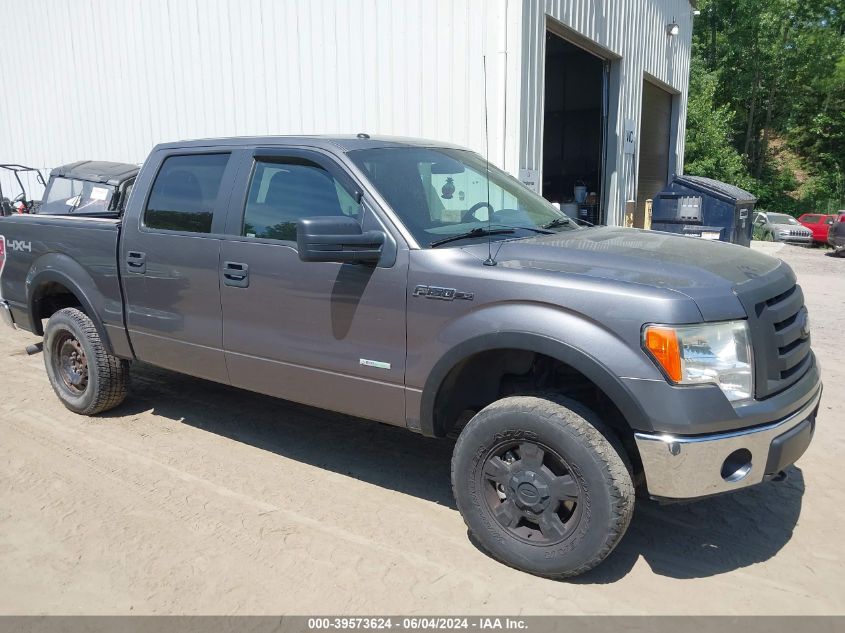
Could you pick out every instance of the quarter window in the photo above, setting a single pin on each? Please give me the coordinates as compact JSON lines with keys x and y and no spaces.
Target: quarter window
{"x":283,"y":192}
{"x":185,"y":192}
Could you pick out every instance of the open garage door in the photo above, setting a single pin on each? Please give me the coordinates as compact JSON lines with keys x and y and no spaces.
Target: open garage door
{"x":655,"y":137}
{"x":574,"y":124}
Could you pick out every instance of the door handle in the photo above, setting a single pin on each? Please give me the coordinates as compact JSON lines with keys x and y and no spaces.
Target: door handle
{"x":136,"y":262}
{"x":235,"y":274}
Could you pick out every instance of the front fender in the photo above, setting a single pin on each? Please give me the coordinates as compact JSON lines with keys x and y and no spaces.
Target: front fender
{"x":601,"y":355}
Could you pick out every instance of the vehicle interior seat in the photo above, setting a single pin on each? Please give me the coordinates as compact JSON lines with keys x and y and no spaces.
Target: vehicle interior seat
{"x":302,"y":191}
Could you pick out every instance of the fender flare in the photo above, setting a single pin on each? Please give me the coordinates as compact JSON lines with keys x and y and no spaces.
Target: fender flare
{"x":80,"y":285}
{"x":610,"y":384}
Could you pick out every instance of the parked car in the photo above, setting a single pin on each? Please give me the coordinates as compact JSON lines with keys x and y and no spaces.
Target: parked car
{"x":92,"y":188}
{"x":569,"y":361}
{"x":836,"y":235}
{"x":780,"y":227}
{"x":819,"y":224}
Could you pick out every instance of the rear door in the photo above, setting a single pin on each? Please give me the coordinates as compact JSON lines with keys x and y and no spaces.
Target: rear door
{"x":170,"y":255}
{"x":324,"y":334}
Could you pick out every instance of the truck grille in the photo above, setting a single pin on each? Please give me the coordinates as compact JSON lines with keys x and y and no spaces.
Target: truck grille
{"x":782,"y":342}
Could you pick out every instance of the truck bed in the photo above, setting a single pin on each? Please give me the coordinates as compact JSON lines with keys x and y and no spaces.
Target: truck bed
{"x":53,"y":247}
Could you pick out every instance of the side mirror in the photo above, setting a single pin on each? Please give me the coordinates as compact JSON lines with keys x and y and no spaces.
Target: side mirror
{"x":337,"y":239}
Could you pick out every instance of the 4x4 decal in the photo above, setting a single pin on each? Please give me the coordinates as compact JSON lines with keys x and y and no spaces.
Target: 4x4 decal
{"x":19,"y":245}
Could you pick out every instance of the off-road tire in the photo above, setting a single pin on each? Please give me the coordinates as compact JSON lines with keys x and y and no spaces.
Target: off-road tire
{"x":595,"y":460}
{"x":107,"y":375}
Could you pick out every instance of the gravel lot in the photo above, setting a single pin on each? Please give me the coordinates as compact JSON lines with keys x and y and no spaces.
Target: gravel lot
{"x":198,"y":498}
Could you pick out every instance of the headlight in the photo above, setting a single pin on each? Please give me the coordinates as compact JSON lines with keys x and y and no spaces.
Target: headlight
{"x":717,"y":353}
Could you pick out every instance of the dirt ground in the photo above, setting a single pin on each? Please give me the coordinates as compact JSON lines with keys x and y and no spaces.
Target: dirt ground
{"x":200,"y":499}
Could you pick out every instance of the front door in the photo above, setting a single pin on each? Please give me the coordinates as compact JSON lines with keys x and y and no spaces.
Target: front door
{"x":170,"y":258}
{"x":324,"y":334}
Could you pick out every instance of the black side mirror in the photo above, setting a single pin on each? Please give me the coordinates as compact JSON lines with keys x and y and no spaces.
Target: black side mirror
{"x":337,"y":239}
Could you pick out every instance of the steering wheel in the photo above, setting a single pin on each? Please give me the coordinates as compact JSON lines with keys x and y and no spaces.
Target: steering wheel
{"x":469,"y":215}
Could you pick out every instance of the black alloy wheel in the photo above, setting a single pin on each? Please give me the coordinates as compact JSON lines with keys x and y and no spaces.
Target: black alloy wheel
{"x":531,"y":492}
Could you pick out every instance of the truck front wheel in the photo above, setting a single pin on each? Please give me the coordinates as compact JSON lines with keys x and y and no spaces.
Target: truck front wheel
{"x":542,"y":485}
{"x":86,"y":378}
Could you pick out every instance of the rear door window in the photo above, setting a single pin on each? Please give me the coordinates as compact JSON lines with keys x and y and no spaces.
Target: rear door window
{"x":184,"y":194}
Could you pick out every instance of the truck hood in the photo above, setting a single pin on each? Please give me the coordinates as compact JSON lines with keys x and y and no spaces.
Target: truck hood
{"x":710,"y":273}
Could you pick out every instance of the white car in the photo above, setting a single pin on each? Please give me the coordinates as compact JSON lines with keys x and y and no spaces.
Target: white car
{"x":780,"y":227}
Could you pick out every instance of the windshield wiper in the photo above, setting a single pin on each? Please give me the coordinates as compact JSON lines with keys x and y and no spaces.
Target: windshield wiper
{"x":478,"y":232}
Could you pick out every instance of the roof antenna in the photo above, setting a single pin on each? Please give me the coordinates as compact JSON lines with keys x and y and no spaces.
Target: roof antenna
{"x":490,"y":261}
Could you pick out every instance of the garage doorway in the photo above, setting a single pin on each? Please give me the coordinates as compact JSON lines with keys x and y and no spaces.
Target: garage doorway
{"x":655,"y":138}
{"x":574,"y":124}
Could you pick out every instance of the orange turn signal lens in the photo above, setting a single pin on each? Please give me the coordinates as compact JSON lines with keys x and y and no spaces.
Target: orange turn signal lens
{"x":662,"y":344}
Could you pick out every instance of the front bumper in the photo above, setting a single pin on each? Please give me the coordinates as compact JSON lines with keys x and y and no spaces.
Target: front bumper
{"x":687,"y":467}
{"x":6,"y":314}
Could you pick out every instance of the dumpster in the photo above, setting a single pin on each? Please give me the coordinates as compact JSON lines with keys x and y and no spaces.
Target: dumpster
{"x":705,"y":208}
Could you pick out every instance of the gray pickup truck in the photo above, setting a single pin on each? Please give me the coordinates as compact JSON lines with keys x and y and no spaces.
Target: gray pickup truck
{"x":412,"y":283}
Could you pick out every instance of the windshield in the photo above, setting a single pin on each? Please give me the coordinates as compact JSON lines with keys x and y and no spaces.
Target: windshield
{"x":781,"y":218}
{"x":443,"y":193}
{"x":66,"y":196}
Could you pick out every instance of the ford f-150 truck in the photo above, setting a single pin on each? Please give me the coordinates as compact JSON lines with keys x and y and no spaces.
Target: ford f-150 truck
{"x":412,"y":283}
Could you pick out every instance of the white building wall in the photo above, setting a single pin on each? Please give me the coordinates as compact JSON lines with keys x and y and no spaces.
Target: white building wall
{"x":632,"y":35}
{"x":108,"y":79}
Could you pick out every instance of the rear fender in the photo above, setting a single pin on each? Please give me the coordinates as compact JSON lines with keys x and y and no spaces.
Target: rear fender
{"x":61,"y":269}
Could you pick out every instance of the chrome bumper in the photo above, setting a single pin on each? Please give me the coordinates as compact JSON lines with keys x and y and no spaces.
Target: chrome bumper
{"x":6,"y":314}
{"x":678,"y":467}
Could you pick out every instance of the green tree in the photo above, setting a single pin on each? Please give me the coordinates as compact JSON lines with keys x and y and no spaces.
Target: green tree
{"x":768,"y":82}
{"x":710,"y":149}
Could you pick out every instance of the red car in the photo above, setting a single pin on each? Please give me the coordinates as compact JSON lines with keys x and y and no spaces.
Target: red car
{"x":819,"y":224}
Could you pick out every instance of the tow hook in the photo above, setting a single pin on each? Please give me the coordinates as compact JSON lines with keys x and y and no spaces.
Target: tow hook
{"x":781,"y":476}
{"x":35,"y":348}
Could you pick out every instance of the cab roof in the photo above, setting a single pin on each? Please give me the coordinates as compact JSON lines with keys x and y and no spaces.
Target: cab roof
{"x":344,"y":143}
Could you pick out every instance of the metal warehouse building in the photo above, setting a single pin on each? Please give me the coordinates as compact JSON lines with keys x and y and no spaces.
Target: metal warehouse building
{"x":588,"y":93}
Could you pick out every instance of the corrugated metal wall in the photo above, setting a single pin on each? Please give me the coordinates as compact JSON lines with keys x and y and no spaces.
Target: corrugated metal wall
{"x":107,"y":79}
{"x":632,"y":35}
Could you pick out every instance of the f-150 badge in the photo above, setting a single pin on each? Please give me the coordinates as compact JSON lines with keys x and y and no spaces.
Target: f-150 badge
{"x":444,"y":294}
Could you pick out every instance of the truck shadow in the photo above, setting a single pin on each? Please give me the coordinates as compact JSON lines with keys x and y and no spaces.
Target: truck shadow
{"x":387,"y":456}
{"x":681,"y":541}
{"x":708,"y":537}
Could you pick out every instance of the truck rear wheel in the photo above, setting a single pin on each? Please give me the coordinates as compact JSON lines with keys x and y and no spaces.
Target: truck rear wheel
{"x":541,"y":487}
{"x":86,"y":378}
